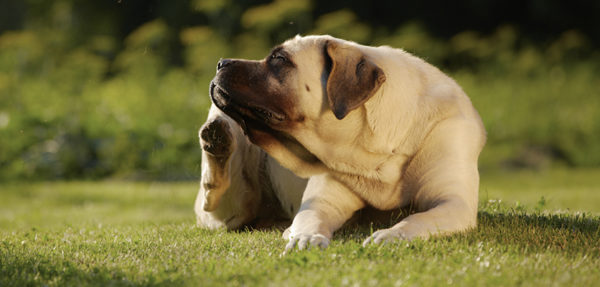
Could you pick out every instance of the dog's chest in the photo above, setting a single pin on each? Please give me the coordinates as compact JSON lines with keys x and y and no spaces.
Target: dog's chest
{"x":382,"y":187}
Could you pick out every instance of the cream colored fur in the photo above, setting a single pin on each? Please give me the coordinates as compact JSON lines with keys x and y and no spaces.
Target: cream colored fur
{"x":415,"y":142}
{"x":226,"y":199}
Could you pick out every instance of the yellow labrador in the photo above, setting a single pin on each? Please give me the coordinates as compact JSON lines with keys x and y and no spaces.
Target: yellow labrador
{"x":365,"y":126}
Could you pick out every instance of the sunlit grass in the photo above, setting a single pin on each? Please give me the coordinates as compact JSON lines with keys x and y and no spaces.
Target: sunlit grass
{"x":553,"y":189}
{"x":129,"y":234}
{"x":49,"y":205}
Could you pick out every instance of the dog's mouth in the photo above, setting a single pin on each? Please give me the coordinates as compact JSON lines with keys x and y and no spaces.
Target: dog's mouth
{"x":258,"y":118}
{"x":243,"y":113}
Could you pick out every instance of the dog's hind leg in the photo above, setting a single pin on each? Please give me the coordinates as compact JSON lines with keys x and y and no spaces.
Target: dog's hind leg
{"x":217,"y":142}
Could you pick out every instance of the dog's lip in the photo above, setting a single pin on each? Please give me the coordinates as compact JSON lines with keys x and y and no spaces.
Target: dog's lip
{"x":218,"y":96}
{"x":221,"y":98}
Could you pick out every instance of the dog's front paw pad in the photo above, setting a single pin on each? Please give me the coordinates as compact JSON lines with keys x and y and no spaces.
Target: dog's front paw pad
{"x":306,"y":241}
{"x":384,"y":236}
{"x":216,"y":138}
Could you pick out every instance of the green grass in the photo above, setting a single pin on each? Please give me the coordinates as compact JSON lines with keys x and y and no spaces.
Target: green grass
{"x":552,"y":190}
{"x":116,"y":233}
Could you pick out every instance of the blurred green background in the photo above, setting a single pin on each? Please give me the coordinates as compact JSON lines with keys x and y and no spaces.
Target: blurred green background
{"x":119,"y":88}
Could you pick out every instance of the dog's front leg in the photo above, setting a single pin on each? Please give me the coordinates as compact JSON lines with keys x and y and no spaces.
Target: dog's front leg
{"x":448,"y":216}
{"x":446,"y":180}
{"x":326,"y":205}
{"x":447,"y":201}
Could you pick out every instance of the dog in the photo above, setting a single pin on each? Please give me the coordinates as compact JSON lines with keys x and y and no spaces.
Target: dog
{"x":241,"y":185}
{"x":357,"y":126}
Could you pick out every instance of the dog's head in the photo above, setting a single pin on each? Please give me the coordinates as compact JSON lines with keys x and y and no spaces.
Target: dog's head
{"x":304,"y":93}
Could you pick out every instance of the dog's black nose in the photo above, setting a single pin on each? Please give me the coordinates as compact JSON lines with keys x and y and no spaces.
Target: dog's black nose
{"x":223,"y":63}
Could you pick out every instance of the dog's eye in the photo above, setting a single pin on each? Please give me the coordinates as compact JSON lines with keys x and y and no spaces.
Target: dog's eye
{"x":278,"y":57}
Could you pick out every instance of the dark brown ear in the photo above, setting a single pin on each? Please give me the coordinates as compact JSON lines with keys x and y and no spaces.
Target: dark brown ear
{"x":353,"y":78}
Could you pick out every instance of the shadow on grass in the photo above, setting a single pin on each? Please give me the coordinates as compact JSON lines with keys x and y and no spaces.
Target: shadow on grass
{"x":537,"y":231}
{"x":528,"y":232}
{"x":36,"y":271}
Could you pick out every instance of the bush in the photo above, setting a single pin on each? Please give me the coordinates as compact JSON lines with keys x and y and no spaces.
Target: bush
{"x":76,"y":105}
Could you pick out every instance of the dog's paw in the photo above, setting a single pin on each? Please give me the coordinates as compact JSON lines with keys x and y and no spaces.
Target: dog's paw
{"x":306,"y":241}
{"x":385,"y":236}
{"x":216,"y":138}
{"x":286,"y":233}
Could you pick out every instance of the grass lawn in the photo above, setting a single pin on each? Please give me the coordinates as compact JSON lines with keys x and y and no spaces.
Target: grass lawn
{"x":116,"y":233}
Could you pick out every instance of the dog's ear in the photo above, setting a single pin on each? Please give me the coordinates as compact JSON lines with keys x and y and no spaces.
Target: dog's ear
{"x":352,"y":80}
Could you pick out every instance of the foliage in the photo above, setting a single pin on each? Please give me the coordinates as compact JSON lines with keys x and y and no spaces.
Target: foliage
{"x":124,"y":234}
{"x":120,"y":88}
